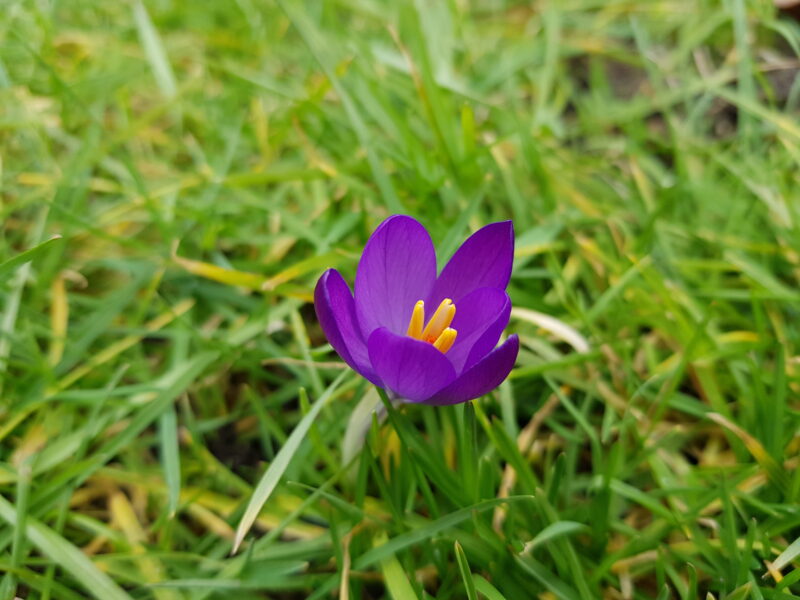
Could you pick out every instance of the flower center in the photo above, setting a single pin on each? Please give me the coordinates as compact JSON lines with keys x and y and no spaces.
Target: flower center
{"x":438,"y":331}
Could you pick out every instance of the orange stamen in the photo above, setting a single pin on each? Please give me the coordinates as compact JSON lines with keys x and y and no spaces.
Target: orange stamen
{"x":417,"y":321}
{"x":445,"y":341}
{"x":438,"y":331}
{"x":440,"y":321}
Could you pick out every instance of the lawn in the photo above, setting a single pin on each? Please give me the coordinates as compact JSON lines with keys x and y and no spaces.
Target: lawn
{"x":174,"y":178}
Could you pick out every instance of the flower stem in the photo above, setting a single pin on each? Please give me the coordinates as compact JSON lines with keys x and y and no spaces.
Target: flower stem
{"x":382,"y":409}
{"x":361,"y":422}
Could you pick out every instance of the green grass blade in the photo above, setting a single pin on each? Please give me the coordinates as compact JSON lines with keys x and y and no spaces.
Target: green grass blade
{"x":396,"y":580}
{"x":555,"y":531}
{"x":466,"y":574}
{"x":154,"y":50}
{"x":487,"y":589}
{"x":28,"y":255}
{"x":170,"y":457}
{"x":791,"y":552}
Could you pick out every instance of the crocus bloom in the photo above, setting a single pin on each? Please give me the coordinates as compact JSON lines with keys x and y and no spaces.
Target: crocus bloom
{"x":421,"y":337}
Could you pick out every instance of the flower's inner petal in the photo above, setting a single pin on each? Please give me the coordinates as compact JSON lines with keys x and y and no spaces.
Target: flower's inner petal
{"x":481,"y":318}
{"x":411,"y":369}
{"x":335,"y":309}
{"x":483,"y":260}
{"x":482,"y":377}
{"x":397,"y":268}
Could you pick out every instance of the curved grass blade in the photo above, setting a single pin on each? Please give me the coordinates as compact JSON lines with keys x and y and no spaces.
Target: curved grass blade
{"x":276,"y":470}
{"x":23,"y":257}
{"x":788,"y":555}
{"x":554,"y":531}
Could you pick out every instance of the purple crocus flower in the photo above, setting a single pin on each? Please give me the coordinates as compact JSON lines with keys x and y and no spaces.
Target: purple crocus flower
{"x":424,"y":338}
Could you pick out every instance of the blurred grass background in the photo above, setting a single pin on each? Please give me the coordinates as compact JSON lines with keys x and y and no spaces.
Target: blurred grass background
{"x":176,"y":175}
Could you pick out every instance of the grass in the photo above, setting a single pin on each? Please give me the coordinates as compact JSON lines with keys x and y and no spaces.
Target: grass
{"x":204,"y":163}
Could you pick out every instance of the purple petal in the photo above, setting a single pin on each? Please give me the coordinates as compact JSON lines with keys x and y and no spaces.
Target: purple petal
{"x":337,"y":316}
{"x":411,"y":369}
{"x":482,"y":378}
{"x":480,"y":318}
{"x":397,"y":268}
{"x":483,"y":260}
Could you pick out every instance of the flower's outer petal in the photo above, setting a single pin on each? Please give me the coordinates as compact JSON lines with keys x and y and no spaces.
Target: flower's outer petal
{"x":480,"y":318}
{"x":482,"y":378}
{"x":337,"y":316}
{"x":411,"y":369}
{"x":483,"y":260}
{"x":397,"y":268}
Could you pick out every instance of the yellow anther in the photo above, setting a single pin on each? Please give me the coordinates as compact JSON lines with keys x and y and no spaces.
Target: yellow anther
{"x":417,"y":321}
{"x":440,"y":321}
{"x":445,"y":341}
